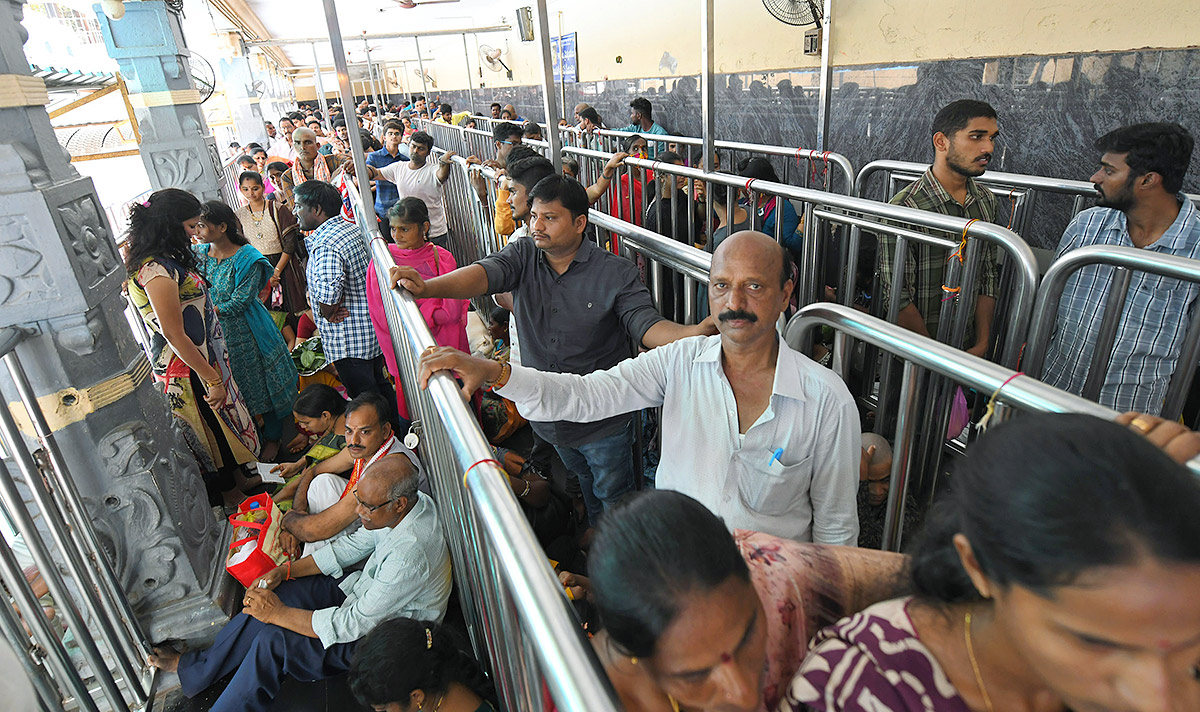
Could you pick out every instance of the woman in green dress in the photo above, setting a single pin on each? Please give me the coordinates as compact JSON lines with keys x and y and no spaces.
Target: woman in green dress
{"x":320,"y":416}
{"x":237,"y":273}
{"x":191,"y":361}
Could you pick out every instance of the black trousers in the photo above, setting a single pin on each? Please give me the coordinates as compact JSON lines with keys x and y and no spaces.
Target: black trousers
{"x":360,"y":375}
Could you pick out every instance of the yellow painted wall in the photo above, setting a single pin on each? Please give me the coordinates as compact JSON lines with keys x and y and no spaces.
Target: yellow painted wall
{"x":748,"y":39}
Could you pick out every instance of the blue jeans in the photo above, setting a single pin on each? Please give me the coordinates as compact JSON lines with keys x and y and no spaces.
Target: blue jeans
{"x":604,"y":468}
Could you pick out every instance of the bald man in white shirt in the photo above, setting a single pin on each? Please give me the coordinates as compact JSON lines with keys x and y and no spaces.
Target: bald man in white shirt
{"x":759,"y":433}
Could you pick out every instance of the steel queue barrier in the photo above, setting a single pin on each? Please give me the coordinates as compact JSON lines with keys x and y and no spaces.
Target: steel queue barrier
{"x":610,"y":140}
{"x":923,"y":357}
{"x":74,"y":566}
{"x":1003,"y":185}
{"x":517,"y":613}
{"x":1124,"y":261}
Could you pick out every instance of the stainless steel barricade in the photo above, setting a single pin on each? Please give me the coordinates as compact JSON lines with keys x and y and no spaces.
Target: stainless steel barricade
{"x":923,"y":356}
{"x":231,"y":191}
{"x":1124,"y":261}
{"x":1021,"y":189}
{"x":904,"y":222}
{"x":516,"y":611}
{"x":73,"y":564}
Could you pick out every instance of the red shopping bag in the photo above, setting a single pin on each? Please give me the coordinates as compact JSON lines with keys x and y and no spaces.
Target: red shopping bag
{"x":255,"y":549}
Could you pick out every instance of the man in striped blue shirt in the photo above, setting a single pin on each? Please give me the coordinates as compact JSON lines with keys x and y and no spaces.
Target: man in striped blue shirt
{"x":1140,"y":177}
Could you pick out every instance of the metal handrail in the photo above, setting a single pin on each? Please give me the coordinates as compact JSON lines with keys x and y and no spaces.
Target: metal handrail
{"x":1022,"y":256}
{"x":1016,"y":389}
{"x":572,"y":672}
{"x":827,"y":157}
{"x":998,"y":180}
{"x":1125,"y":258}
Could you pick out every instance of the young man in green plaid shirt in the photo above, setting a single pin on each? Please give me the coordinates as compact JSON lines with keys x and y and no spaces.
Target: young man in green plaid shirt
{"x":964,"y":135}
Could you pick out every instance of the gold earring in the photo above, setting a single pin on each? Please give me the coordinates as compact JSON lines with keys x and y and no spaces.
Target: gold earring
{"x":633,"y":661}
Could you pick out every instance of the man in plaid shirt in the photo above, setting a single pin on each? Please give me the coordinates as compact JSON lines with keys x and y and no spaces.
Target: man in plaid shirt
{"x":1140,"y":177}
{"x":964,"y":135}
{"x":337,"y":290}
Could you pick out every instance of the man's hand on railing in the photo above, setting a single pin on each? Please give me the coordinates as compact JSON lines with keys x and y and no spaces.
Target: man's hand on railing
{"x":471,"y":370}
{"x":408,"y":278}
{"x":1177,"y":440}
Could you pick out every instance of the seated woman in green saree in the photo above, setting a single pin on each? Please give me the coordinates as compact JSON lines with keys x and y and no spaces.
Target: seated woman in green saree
{"x":319,"y":413}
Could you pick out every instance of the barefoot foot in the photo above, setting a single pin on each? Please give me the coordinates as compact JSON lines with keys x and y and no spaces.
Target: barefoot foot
{"x":164,"y":659}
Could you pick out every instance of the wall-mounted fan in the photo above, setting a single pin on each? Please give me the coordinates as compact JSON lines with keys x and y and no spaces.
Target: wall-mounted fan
{"x":410,"y":4}
{"x":795,"y":12}
{"x":202,"y":75}
{"x":490,"y":57}
{"x":425,"y":77}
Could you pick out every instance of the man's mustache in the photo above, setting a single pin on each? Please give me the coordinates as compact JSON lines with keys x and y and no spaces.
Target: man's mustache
{"x":737,"y":314}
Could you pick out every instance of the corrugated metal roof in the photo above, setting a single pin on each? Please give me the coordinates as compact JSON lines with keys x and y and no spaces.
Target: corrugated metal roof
{"x":58,"y":79}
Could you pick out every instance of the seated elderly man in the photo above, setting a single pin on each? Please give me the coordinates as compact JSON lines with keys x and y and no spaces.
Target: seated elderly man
{"x":300,"y":621}
{"x":323,"y":508}
{"x":758,"y":433}
{"x":310,"y":164}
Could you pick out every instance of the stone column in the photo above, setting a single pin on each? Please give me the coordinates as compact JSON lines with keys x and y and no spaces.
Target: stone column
{"x":244,"y":103}
{"x":176,"y":145}
{"x":61,"y":277}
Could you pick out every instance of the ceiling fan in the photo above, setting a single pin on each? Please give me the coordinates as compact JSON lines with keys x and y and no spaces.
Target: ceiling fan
{"x":490,"y":56}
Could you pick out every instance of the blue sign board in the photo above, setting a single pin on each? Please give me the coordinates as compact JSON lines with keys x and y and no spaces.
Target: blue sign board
{"x":569,"y":66}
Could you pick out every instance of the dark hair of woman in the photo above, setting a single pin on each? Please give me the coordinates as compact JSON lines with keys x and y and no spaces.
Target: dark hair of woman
{"x":758,"y":168}
{"x":409,"y":210}
{"x":216,"y":212}
{"x":401,"y":655}
{"x":648,"y":555}
{"x":278,"y":166}
{"x":156,"y":229}
{"x":318,"y":399}
{"x":1044,"y":498}
{"x":250,"y":175}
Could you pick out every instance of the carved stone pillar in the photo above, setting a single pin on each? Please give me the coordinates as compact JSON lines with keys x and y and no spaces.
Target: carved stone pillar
{"x":176,"y":145}
{"x":61,"y":276}
{"x":244,"y":102}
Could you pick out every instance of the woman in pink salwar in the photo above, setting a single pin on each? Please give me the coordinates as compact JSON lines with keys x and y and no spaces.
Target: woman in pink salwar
{"x":446,"y":318}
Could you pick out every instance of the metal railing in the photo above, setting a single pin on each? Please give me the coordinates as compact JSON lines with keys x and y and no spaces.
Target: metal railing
{"x":73,"y":564}
{"x":1123,"y":261}
{"x":923,"y":357}
{"x":819,"y":163}
{"x":231,"y":192}
{"x":1021,"y":189}
{"x":516,"y":611}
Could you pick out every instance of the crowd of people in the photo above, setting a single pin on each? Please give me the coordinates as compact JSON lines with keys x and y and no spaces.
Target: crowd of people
{"x":1059,"y":572}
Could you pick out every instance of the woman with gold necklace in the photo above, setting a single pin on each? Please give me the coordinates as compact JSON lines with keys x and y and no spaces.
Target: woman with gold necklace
{"x":1062,"y":572}
{"x":271,"y":228}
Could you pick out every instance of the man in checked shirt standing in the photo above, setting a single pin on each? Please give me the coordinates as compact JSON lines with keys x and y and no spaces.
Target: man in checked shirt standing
{"x":964,"y":135}
{"x":1139,"y":179}
{"x":337,"y":290}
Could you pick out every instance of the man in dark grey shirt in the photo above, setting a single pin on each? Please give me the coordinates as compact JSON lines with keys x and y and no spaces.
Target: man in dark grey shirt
{"x":578,"y":308}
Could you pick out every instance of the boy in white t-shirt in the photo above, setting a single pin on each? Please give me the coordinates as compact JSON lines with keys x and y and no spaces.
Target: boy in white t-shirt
{"x":420,"y":178}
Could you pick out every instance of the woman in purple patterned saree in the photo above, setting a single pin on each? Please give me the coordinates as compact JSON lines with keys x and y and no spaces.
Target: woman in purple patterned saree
{"x":1062,"y":572}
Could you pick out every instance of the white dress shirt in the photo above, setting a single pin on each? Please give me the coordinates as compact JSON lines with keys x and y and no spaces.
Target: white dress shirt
{"x":807,"y":493}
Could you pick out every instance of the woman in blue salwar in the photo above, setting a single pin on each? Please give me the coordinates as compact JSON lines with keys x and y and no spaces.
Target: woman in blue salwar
{"x":237,"y":273}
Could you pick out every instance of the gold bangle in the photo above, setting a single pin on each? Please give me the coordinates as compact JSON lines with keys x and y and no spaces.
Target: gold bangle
{"x":218,"y":381}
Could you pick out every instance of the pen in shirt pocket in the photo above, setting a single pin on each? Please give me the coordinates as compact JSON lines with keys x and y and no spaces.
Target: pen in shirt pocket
{"x":777,"y":456}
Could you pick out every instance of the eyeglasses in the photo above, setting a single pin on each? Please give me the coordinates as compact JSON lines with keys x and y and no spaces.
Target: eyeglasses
{"x":370,"y":509}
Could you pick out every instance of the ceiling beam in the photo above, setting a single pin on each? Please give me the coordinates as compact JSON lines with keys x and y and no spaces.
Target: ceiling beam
{"x":386,"y":36}
{"x":242,"y":16}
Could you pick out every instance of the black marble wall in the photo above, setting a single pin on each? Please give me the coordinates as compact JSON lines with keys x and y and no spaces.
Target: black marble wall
{"x":1051,"y":109}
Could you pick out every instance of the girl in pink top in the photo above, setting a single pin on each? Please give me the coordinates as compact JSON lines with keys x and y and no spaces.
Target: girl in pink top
{"x":446,"y":318}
